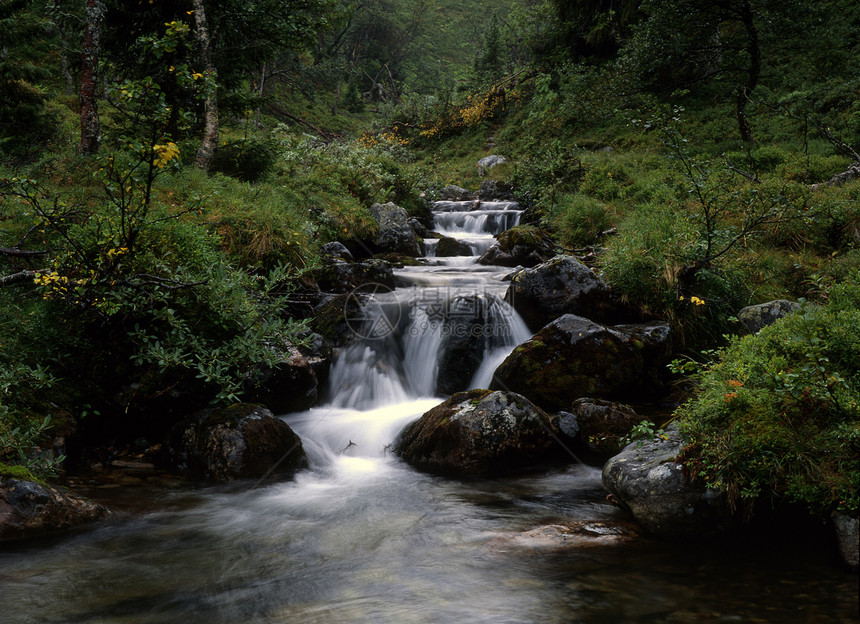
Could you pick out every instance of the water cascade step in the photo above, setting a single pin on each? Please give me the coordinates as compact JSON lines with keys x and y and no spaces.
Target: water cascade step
{"x":444,"y":329}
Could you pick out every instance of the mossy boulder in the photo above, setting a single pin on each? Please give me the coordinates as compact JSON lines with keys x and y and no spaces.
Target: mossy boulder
{"x":242,"y":441}
{"x":447,"y":247}
{"x":757,"y":317}
{"x":342,"y":276}
{"x":29,"y":508}
{"x":562,"y":285}
{"x":291,"y":386}
{"x":573,"y":357}
{"x":479,"y":434}
{"x":394,"y":234}
{"x":523,"y":245}
{"x":602,"y":423}
{"x":330,"y":319}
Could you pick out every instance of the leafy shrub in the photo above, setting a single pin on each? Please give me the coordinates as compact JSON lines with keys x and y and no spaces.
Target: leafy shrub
{"x":248,"y":160}
{"x":779,"y":416}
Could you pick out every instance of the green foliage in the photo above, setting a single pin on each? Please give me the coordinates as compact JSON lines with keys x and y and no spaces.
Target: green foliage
{"x":23,"y":432}
{"x":645,"y":431}
{"x":778,"y":415}
{"x":248,"y":160}
{"x":577,"y":220}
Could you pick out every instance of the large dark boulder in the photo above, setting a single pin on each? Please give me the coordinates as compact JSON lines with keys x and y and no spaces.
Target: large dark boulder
{"x":452,"y":192}
{"x":291,"y":386}
{"x":448,"y":246}
{"x":342,"y":276}
{"x":243,"y":441}
{"x":645,"y":479}
{"x":331,"y":319}
{"x":559,"y":286}
{"x":602,"y":423}
{"x":573,"y":357}
{"x":523,"y":245}
{"x":494,"y":190}
{"x":757,"y":317}
{"x":29,"y":508}
{"x":394,"y":234}
{"x":480,"y":433}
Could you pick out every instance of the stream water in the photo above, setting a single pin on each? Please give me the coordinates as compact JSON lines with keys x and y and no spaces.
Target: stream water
{"x":361,"y":537}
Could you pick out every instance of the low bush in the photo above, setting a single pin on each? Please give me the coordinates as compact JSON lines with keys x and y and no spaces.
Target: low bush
{"x":778,"y":416}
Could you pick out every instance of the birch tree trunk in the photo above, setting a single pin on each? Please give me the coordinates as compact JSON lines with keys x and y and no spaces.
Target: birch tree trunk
{"x":90,"y":128}
{"x":210,"y":104}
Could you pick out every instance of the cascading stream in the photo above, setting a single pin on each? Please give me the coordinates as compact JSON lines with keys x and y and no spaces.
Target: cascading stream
{"x":448,"y":299}
{"x":361,"y":537}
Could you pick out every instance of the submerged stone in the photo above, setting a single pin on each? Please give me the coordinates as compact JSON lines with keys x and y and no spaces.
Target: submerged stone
{"x":29,"y":508}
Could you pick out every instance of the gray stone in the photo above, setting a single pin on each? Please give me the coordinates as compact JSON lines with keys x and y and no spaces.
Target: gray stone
{"x":604,"y":423}
{"x":645,"y":479}
{"x":337,"y":250}
{"x":573,"y":357}
{"x":756,"y":317}
{"x":242,"y":441}
{"x":488,"y":162}
{"x":28,"y":508}
{"x":448,"y":246}
{"x":394,"y":234}
{"x":479,"y":434}
{"x":848,"y":537}
{"x":562,"y":285}
{"x":452,"y":192}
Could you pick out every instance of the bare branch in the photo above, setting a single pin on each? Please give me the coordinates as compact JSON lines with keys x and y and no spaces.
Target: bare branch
{"x":20,"y":276}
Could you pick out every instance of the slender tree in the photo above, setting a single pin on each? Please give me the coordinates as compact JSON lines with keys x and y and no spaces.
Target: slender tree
{"x":90,"y":127}
{"x":210,"y":103}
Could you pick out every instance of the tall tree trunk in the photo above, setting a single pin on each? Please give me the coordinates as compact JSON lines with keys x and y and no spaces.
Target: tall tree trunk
{"x":210,"y":104}
{"x":745,"y":90}
{"x":90,"y":128}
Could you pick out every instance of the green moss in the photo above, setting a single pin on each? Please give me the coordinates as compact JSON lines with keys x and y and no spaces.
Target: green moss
{"x":17,"y":472}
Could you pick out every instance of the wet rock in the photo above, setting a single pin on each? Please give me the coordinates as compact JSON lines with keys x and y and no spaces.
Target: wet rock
{"x":330,"y":319}
{"x":337,"y":250}
{"x":569,"y":536}
{"x":419,"y":228}
{"x":573,"y":357}
{"x":317,"y":352}
{"x":29,"y":508}
{"x":291,"y":386}
{"x":848,"y":538}
{"x":756,"y":317}
{"x":243,"y":441}
{"x":645,"y":479}
{"x":480,"y":433}
{"x":494,"y":190}
{"x":603,"y":423}
{"x":468,"y":331}
{"x":452,"y":192}
{"x":448,"y":246}
{"x":394,"y":235}
{"x":522,"y":245}
{"x":339,"y":276}
{"x":559,"y":286}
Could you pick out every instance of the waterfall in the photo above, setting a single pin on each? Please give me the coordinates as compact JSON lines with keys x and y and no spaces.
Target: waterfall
{"x":448,"y":301}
